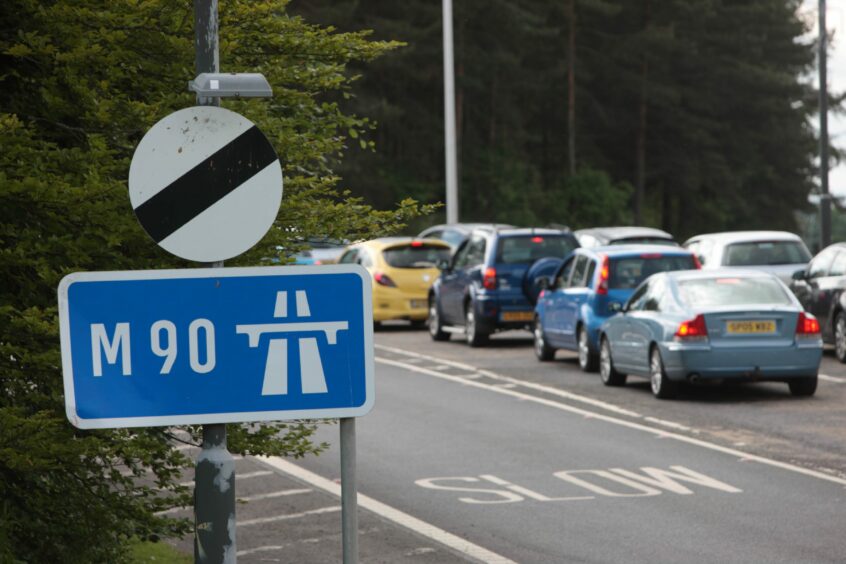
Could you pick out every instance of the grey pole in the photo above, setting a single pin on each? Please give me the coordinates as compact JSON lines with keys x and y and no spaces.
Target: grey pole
{"x":349,"y":493}
{"x":214,"y":474}
{"x":825,"y":197}
{"x":449,"y":118}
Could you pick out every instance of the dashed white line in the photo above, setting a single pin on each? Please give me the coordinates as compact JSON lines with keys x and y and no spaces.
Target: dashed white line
{"x":835,"y":379}
{"x":494,"y":376}
{"x":272,"y":495}
{"x":387,"y":512}
{"x":622,"y":422}
{"x":289,"y":516}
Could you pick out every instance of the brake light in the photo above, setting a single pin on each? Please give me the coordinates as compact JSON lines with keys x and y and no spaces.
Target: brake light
{"x":384,"y":280}
{"x":651,"y":256}
{"x":693,"y":329}
{"x":696,"y":263}
{"x":417,"y":244}
{"x":807,"y":325}
{"x":604,"y":272}
{"x":537,"y":239}
{"x":489,"y":278}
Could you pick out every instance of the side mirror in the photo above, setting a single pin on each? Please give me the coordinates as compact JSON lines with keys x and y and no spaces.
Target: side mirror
{"x":799,"y":275}
{"x":443,"y":264}
{"x":615,"y":307}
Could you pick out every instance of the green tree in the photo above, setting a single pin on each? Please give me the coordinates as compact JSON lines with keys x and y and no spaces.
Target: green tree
{"x":80,"y":83}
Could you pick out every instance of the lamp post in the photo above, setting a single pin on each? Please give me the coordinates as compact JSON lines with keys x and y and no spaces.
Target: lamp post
{"x":449,"y":118}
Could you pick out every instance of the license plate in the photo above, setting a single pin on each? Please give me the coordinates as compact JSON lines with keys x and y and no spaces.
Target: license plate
{"x":750,"y":327}
{"x":516,"y":315}
{"x":418,"y":304}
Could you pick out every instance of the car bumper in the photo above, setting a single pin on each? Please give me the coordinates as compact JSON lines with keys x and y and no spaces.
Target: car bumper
{"x":493,"y":313}
{"x":395,"y":303}
{"x":702,"y":361}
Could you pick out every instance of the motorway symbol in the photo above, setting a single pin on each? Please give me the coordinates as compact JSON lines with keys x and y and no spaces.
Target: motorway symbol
{"x":205,"y":183}
{"x":146,"y":348}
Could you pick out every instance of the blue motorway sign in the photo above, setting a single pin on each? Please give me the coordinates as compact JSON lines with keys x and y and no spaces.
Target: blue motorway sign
{"x":215,"y":345}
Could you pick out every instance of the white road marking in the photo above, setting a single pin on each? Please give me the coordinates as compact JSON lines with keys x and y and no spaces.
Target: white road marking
{"x":289,"y":516}
{"x":272,"y":495}
{"x":835,"y":379}
{"x":670,"y":424}
{"x":531,"y":385}
{"x":607,"y":418}
{"x":312,"y":540}
{"x":238,"y":477}
{"x":387,"y":512}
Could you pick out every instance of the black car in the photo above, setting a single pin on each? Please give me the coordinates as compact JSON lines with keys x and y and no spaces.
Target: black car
{"x":819,"y":287}
{"x":602,"y":236}
{"x":456,"y":233}
{"x":489,"y":284}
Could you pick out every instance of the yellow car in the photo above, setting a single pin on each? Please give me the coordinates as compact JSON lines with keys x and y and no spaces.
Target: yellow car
{"x":403,"y":270}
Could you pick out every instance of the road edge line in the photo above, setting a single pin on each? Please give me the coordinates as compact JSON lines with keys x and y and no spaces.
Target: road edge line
{"x":387,"y":512}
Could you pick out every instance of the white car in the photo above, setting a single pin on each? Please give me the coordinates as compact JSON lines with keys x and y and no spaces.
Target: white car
{"x":777,"y":252}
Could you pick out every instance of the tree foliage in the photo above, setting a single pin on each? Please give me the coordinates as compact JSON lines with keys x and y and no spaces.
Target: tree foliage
{"x":80,"y":83}
{"x":704,"y":103}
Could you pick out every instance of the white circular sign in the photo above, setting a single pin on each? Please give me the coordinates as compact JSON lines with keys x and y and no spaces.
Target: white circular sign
{"x":205,"y":183}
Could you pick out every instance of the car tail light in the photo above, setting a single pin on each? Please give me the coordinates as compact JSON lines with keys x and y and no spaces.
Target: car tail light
{"x":692,"y":329}
{"x":416,"y":244}
{"x":696,"y":263}
{"x":384,"y":280}
{"x":651,"y":255}
{"x":489,"y":278}
{"x":537,"y":239}
{"x":604,"y":272}
{"x":807,"y":325}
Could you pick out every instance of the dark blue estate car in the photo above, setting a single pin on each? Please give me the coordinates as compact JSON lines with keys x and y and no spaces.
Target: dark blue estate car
{"x":488,"y":285}
{"x":589,"y":287}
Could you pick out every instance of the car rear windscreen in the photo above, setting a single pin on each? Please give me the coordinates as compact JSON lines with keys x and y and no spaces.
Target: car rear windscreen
{"x":761,"y":253}
{"x":628,"y":272}
{"x":728,"y":291}
{"x":415,"y":256}
{"x":529,"y":248}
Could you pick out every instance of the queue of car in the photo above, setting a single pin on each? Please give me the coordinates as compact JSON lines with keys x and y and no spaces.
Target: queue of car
{"x":630,"y":301}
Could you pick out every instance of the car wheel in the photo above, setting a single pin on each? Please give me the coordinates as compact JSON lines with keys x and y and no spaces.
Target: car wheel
{"x":436,"y":328}
{"x":609,"y":375}
{"x":803,"y":387}
{"x":588,"y":359}
{"x":662,"y":387}
{"x":542,"y":350}
{"x":471,"y":329}
{"x":840,"y":337}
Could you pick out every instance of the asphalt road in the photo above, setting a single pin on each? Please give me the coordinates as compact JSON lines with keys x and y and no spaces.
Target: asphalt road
{"x":489,"y":455}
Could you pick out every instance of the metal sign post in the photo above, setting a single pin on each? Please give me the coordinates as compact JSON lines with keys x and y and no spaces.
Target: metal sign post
{"x":349,"y":492}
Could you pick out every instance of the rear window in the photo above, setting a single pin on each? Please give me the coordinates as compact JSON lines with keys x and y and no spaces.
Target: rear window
{"x":645,"y":241}
{"x":627,"y":273}
{"x":423,"y":256}
{"x":727,"y":291}
{"x":516,"y":250}
{"x":760,"y":253}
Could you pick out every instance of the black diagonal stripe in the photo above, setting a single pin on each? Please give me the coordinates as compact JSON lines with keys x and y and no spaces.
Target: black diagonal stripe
{"x":199,"y":188}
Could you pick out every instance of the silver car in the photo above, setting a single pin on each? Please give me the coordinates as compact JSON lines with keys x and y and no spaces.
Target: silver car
{"x":777,"y":252}
{"x":711,"y":325}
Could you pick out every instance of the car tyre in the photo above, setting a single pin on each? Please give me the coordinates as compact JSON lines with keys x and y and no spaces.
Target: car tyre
{"x":840,"y":337}
{"x":436,"y":328}
{"x":803,"y":387}
{"x":542,"y":350}
{"x":609,"y":375}
{"x":588,"y":360}
{"x":474,"y":337}
{"x":662,"y":387}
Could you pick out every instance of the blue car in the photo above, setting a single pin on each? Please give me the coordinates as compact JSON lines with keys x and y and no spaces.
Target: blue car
{"x":712,"y":325}
{"x":589,"y":287}
{"x":488,"y":285}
